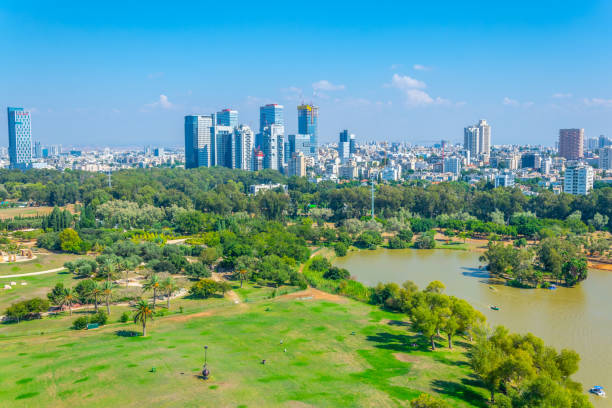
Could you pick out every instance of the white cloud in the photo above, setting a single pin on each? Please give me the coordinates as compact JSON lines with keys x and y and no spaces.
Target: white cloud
{"x":560,"y":95}
{"x":413,"y":91}
{"x":325,"y":85}
{"x":420,"y":67}
{"x":598,"y":102}
{"x":162,"y":102}
{"x":513,"y":102}
{"x":404,"y":82}
{"x":293,"y":93}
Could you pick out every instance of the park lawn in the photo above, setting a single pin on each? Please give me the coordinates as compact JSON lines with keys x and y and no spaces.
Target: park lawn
{"x":324,"y":365}
{"x":37,"y":286}
{"x":43,"y":261}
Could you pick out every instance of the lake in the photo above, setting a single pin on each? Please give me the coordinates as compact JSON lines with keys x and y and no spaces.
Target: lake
{"x":578,"y":318}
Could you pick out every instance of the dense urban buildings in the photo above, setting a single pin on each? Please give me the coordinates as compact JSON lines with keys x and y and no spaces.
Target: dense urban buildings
{"x":227,"y":117}
{"x":571,"y":143}
{"x":578,"y":180}
{"x":271,"y":114}
{"x":20,"y":138}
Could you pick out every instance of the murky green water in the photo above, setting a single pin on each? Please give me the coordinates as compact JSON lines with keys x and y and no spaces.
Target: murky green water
{"x":579,"y":318}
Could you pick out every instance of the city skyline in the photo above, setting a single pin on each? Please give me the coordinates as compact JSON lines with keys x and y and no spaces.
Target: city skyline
{"x":132,"y":74}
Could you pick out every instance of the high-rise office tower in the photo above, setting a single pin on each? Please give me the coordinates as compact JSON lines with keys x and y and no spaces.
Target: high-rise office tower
{"x":352,"y":144}
{"x":227,"y":117}
{"x":242,"y":148}
{"x":452,"y":165}
{"x":308,"y":122}
{"x":271,"y":114}
{"x":578,"y":180}
{"x":38,"y":150}
{"x":571,"y":143}
{"x":531,"y":161}
{"x":604,"y":141}
{"x":223,"y":145}
{"x":298,"y":143}
{"x":484,"y":137}
{"x":199,"y":141}
{"x":605,"y":158}
{"x":345,"y":143}
{"x":20,"y":138}
{"x":471,"y":140}
{"x":273,"y":143}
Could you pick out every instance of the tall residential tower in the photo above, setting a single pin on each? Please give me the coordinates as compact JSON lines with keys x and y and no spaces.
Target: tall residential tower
{"x":199,"y":141}
{"x":20,"y":138}
{"x":571,"y":143}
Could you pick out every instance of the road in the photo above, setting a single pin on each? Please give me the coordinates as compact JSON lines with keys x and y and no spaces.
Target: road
{"x":21,"y":275}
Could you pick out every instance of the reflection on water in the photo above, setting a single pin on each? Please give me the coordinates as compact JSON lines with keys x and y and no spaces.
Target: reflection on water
{"x":579,"y":318}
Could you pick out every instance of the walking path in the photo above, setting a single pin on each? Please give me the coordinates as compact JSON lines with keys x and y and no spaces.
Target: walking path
{"x":20,"y":275}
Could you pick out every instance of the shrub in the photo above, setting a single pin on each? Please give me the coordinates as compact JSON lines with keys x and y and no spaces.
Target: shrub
{"x":100,"y":317}
{"x":425,"y":241}
{"x":197,"y":269}
{"x":204,"y":288}
{"x":397,"y":243}
{"x":340,"y":248}
{"x":80,"y":323}
{"x":369,"y":240}
{"x":125,"y":317}
{"x":320,"y":264}
{"x":405,"y":235}
{"x":335,"y":273}
{"x":27,"y":309}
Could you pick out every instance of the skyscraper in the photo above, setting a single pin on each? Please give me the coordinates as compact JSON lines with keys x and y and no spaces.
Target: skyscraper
{"x":571,"y":143}
{"x":20,"y":138}
{"x":273,"y":143}
{"x":346,"y":145}
{"x":227,"y":117}
{"x":308,"y":121}
{"x":38,"y":150}
{"x":271,"y":114}
{"x":242,"y":148}
{"x":222,"y":145}
{"x":297,"y":165}
{"x":199,"y":141}
{"x":484,"y":137}
{"x":477,"y":138}
{"x":605,"y":158}
{"x":298,"y":143}
{"x":471,"y":140}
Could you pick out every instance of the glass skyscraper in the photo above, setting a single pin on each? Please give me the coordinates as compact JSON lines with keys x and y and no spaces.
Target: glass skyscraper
{"x":308,"y":121}
{"x":20,"y":138}
{"x":199,"y":141}
{"x":227,"y":117}
{"x":271,"y":114}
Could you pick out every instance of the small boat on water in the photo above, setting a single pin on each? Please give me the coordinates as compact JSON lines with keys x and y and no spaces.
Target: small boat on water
{"x":552,"y":287}
{"x":598,"y":390}
{"x":493,"y":307}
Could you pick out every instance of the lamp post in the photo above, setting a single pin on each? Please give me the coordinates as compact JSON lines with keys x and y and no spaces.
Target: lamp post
{"x":205,"y":370}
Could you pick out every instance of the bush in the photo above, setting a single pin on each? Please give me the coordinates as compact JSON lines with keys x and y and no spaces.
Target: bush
{"x":197,"y":269}
{"x":27,"y":309}
{"x":125,"y":317}
{"x":100,"y":317}
{"x":80,"y":323}
{"x":425,"y":241}
{"x":397,"y":243}
{"x":369,"y":240}
{"x":405,"y":235}
{"x":340,"y":248}
{"x":335,"y":273}
{"x":204,"y":288}
{"x":319,"y":264}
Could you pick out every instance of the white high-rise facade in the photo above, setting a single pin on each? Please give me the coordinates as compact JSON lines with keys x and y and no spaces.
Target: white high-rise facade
{"x":605,"y":158}
{"x":273,"y":146}
{"x":477,"y":139}
{"x":243,"y":141}
{"x":484,"y":137}
{"x":578,"y":180}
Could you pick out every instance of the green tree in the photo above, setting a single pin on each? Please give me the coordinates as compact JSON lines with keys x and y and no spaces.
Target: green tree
{"x":70,"y":241}
{"x":154,"y":283}
{"x":204,"y":288}
{"x":169,"y":286}
{"x":143,"y":313}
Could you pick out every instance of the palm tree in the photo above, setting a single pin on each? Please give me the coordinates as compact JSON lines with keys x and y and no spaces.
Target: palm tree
{"x":243,"y":274}
{"x":94,"y":294}
{"x":153,"y":284}
{"x":67,"y":298}
{"x":143,"y":312}
{"x":169,"y":286}
{"x":107,"y":291}
{"x":110,"y":269}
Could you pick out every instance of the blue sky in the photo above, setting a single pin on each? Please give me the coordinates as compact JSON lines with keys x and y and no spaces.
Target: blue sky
{"x":125,"y":73}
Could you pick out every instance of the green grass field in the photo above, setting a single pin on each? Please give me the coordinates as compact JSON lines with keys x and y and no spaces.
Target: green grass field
{"x":43,"y":261}
{"x":324,"y":365}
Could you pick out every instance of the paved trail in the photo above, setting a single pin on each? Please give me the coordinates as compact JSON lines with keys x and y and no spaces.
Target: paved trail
{"x":20,"y":275}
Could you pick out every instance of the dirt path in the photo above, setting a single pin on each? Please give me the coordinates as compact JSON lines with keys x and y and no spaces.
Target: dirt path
{"x":233,"y":296}
{"x":32,"y":273}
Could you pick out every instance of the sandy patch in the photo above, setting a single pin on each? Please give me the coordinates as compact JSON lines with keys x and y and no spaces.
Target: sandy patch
{"x":184,"y":318}
{"x":406,"y":358}
{"x":314,"y":294}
